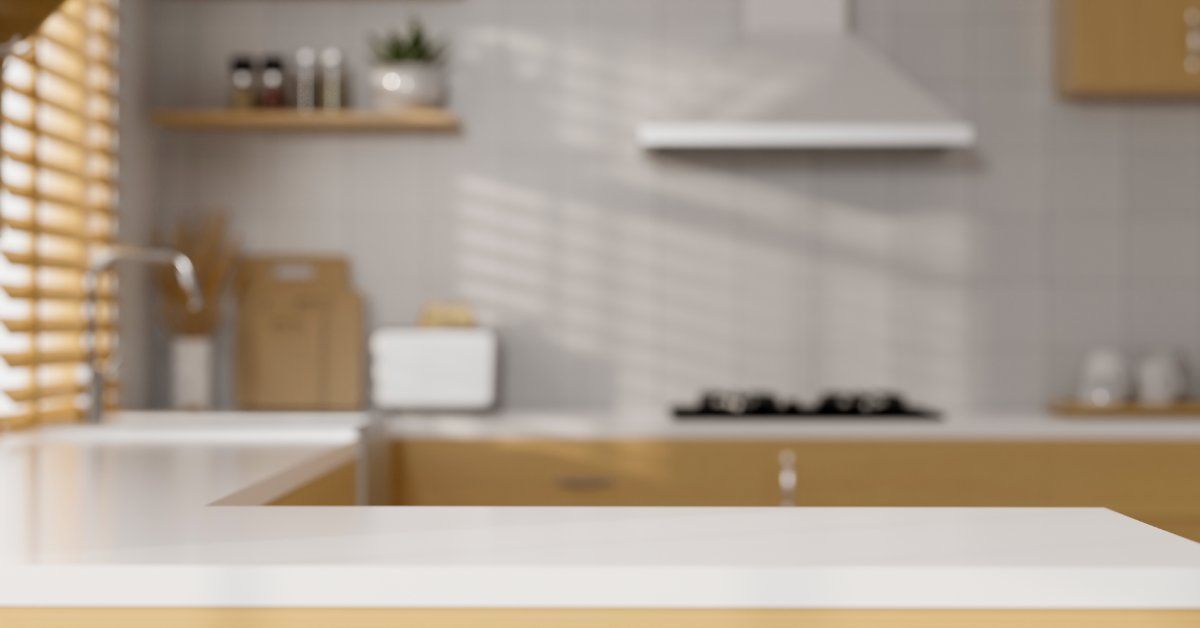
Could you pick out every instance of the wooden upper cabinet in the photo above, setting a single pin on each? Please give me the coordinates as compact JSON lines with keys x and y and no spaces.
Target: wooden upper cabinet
{"x":22,"y":17}
{"x":1129,"y":48}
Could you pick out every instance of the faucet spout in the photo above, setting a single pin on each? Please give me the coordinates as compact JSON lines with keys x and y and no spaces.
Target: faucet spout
{"x":185,"y":274}
{"x":105,"y":260}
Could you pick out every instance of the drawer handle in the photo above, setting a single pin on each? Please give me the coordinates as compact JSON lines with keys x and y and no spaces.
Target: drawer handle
{"x":787,"y":478}
{"x":585,"y":482}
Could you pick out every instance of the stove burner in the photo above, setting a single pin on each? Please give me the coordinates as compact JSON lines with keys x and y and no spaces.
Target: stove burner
{"x":763,"y":405}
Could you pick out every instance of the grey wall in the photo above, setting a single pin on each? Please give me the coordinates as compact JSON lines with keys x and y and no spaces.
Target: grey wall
{"x":136,"y":153}
{"x":973,"y":280}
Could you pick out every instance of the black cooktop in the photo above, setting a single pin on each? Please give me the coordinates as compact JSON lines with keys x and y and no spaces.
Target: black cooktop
{"x":735,"y":405}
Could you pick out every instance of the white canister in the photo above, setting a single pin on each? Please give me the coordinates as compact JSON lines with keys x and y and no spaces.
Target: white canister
{"x":192,"y":372}
{"x":1105,"y":380}
{"x":1161,"y":379}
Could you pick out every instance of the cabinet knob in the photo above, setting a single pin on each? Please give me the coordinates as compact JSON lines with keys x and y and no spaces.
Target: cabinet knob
{"x":1191,"y":40}
{"x":787,"y":478}
{"x":1191,"y":64}
{"x":1191,"y":16}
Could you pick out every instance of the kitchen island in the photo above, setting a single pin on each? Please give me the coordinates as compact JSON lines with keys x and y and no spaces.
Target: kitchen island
{"x":122,"y":526}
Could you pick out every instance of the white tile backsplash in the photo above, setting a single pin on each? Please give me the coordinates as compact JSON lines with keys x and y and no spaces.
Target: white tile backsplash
{"x":1008,"y":319}
{"x":1087,"y":180}
{"x":1083,"y":251}
{"x":1009,"y":249}
{"x":1163,"y":249}
{"x":973,"y":279}
{"x":1163,"y":315}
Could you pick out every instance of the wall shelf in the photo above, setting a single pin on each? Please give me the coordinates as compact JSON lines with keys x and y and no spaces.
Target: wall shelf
{"x":1182,"y":409}
{"x":414,"y":120}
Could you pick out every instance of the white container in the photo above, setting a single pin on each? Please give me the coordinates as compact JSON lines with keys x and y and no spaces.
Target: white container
{"x":192,"y":372}
{"x":434,"y":368}
{"x":408,"y":84}
{"x":1161,"y":379}
{"x":332,"y":79}
{"x":1105,"y":380}
{"x":306,"y":79}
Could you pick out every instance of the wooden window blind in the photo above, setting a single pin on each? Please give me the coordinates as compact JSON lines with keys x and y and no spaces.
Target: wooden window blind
{"x":58,"y":195}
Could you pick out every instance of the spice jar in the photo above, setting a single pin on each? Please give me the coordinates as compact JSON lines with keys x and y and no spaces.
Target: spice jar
{"x":241,"y":83}
{"x":331,"y":79}
{"x":306,"y":79}
{"x":272,"y":94}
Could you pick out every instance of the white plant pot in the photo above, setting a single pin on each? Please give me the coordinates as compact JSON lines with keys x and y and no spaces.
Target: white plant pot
{"x":407,"y":84}
{"x":192,"y":372}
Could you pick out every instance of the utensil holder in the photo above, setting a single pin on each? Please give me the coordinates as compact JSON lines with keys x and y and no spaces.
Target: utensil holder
{"x":192,"y":372}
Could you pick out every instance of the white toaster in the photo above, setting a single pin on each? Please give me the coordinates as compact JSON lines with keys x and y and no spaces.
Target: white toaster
{"x":434,"y":368}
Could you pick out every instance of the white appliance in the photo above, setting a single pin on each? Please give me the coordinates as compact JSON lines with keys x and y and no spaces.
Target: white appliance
{"x":798,"y":79}
{"x":434,"y":368}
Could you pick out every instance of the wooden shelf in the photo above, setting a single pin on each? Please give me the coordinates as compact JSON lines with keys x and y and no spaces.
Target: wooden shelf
{"x":414,"y":120}
{"x":1181,"y":410}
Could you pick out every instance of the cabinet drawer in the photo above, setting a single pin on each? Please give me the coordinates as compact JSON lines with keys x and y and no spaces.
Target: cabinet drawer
{"x":1162,"y":479}
{"x":1135,"y":477}
{"x":567,"y":473}
{"x":521,"y":473}
{"x":888,"y":473}
{"x":1152,"y":477}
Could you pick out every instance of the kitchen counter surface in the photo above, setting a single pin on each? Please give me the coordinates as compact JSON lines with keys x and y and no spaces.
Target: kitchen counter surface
{"x":655,"y":424}
{"x":121,"y":516}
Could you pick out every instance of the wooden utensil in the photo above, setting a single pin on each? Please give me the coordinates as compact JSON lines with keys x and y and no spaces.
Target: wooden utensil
{"x":213,"y":255}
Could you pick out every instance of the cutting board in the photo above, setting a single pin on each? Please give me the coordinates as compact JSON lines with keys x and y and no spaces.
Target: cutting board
{"x":300,"y":335}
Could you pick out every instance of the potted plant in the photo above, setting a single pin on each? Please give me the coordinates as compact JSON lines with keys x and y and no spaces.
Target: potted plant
{"x":408,"y":70}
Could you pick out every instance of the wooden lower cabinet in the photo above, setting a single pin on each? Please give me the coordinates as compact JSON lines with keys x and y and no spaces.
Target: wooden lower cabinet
{"x":572,"y":473}
{"x":335,"y":488}
{"x":919,"y":474}
{"x":1162,"y":478}
{"x":1157,"y":482}
{"x":585,"y":618}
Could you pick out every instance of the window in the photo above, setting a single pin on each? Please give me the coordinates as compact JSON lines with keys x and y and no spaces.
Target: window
{"x":58,"y":192}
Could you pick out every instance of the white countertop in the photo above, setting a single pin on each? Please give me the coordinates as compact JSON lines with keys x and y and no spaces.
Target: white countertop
{"x":120,"y":516}
{"x":656,"y":424}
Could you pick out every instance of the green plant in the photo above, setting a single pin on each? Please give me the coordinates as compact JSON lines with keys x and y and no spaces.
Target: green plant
{"x":413,"y":45}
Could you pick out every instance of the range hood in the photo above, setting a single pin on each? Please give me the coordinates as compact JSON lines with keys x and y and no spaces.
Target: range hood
{"x":800,"y":80}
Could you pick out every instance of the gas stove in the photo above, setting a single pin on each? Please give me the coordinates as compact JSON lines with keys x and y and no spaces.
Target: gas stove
{"x":757,"y":405}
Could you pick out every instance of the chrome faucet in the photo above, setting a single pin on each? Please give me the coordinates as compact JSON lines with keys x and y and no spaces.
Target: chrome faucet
{"x":105,"y":260}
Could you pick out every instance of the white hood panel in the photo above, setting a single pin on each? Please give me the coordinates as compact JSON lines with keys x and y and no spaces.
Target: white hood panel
{"x":813,"y":89}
